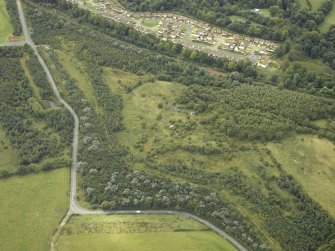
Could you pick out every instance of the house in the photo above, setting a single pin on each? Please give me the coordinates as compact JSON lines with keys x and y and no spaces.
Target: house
{"x":224,"y":33}
{"x":264,"y":62}
{"x":210,"y":37}
{"x":175,"y":33}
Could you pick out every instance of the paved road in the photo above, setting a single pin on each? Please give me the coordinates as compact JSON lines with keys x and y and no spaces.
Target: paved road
{"x":74,"y":207}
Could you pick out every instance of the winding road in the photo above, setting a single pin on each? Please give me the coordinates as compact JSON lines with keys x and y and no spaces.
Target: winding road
{"x":74,"y":207}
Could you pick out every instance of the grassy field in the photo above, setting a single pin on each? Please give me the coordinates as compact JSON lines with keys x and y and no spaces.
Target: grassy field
{"x":266,"y":12}
{"x":311,"y":161}
{"x":137,"y":233}
{"x":5,"y":25}
{"x":121,"y":82}
{"x":315,"y":4}
{"x":31,"y":208}
{"x":149,"y":112}
{"x":150,"y":23}
{"x":8,"y":156}
{"x":329,"y":20}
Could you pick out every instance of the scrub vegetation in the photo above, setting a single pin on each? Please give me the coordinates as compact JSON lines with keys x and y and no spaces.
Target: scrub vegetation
{"x":250,"y":151}
{"x":159,"y":132}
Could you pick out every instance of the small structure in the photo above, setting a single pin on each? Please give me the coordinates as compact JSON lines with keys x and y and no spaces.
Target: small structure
{"x":264,"y":62}
{"x":257,"y":11}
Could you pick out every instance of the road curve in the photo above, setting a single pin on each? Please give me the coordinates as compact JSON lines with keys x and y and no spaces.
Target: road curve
{"x":74,"y":207}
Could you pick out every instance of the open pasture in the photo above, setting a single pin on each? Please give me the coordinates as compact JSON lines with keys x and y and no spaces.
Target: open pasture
{"x":31,"y":208}
{"x":140,"y":233}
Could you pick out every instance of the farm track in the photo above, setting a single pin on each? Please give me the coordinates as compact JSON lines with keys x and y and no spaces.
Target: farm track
{"x":74,"y":207}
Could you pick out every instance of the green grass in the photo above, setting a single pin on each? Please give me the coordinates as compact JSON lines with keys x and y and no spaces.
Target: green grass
{"x":150,"y":23}
{"x":303,"y":3}
{"x":140,"y":113}
{"x":119,"y":82}
{"x":237,"y":18}
{"x":138,"y":232}
{"x":31,"y":208}
{"x":77,"y":71}
{"x":315,"y":4}
{"x":30,"y":78}
{"x":5,"y":25}
{"x":266,"y":12}
{"x":311,"y":162}
{"x":8,"y":156}
{"x":314,"y":65}
{"x":329,"y":20}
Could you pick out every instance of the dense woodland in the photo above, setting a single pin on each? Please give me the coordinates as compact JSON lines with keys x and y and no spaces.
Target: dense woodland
{"x":251,"y":111}
{"x":256,"y":112}
{"x":31,"y":128}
